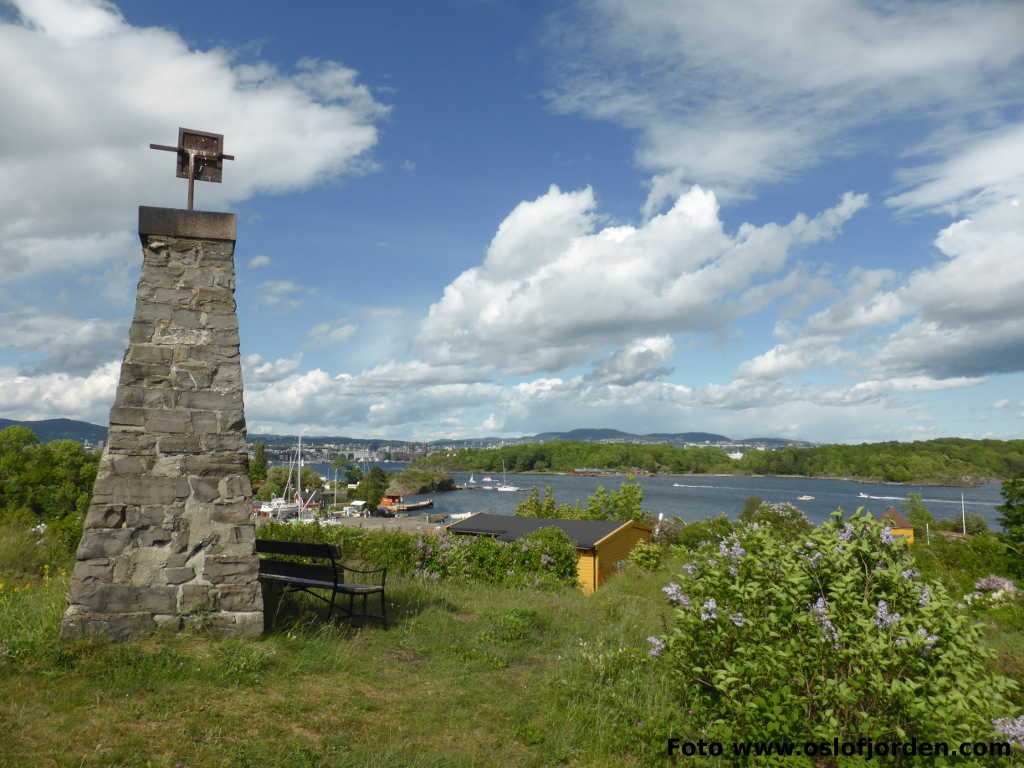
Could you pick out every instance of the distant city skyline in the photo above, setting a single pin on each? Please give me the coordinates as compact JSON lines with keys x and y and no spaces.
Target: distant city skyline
{"x":476,"y":219}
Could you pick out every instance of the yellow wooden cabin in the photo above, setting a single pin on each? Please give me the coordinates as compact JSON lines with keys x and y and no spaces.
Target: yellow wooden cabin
{"x":601,"y":544}
{"x":898,"y":523}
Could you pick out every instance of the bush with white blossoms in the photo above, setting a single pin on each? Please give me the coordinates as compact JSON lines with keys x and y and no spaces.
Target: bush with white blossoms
{"x":832,"y":635}
{"x":992,"y":590}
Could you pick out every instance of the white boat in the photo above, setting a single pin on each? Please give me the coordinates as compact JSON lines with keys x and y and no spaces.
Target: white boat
{"x":471,"y":481}
{"x":461,"y":515}
{"x":281,"y":508}
{"x":805,"y":497}
{"x":505,"y":487}
{"x":488,"y":479}
{"x":863,"y":495}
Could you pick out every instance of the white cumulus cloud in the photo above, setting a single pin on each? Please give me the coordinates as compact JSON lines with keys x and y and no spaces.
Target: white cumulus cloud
{"x":84,"y":94}
{"x":555,"y":289}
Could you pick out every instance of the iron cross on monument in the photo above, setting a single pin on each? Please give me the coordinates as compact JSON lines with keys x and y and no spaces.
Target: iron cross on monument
{"x":200,"y":156}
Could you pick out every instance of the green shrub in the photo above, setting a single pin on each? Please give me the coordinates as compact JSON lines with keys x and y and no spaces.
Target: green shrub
{"x":958,"y":563}
{"x":646,"y":556}
{"x":700,"y":533}
{"x":782,"y":519}
{"x":543,"y":558}
{"x":836,"y":636}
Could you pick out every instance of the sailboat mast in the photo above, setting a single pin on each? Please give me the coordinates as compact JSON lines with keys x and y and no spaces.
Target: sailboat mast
{"x":963,"y":514}
{"x":299,"y":481}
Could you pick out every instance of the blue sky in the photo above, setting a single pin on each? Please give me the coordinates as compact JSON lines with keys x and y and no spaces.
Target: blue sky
{"x":483,"y":218}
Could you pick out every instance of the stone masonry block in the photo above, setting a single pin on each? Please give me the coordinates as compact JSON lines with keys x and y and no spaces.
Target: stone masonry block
{"x":234,"y":513}
{"x":232,"y":421}
{"x":130,"y":441}
{"x":177,"y":444}
{"x":127,"y":417}
{"x":140,"y":331}
{"x":209,"y":400}
{"x":168,"y":422}
{"x":235,"y":487}
{"x":105,"y":516}
{"x":196,"y":597}
{"x":103,"y":542}
{"x":149,"y":537}
{"x":226,"y":569}
{"x":187,"y":318}
{"x":221,"y":321}
{"x":241,"y":597}
{"x":203,"y":489}
{"x":179,"y":575}
{"x":145,"y":516}
{"x":100,"y":569}
{"x":197,"y":377}
{"x":205,"y":421}
{"x":211,"y":464}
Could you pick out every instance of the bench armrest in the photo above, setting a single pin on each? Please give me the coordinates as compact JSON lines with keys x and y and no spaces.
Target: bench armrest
{"x":382,"y":571}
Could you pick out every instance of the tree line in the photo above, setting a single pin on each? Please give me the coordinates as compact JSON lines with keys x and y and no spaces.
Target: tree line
{"x":946,"y":460}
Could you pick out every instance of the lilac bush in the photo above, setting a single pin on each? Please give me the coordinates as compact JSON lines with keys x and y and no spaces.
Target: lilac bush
{"x":833,"y":634}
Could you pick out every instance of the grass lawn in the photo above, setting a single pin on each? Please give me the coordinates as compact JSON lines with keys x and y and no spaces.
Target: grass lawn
{"x":468,"y":675}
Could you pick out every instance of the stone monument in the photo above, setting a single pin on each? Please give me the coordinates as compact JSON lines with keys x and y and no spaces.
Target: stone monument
{"x":168,"y":538}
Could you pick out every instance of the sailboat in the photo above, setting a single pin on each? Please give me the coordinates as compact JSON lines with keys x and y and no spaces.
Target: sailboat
{"x":505,"y":487}
{"x":280,"y":507}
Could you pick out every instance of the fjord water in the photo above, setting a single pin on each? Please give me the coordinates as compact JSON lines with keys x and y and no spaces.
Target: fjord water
{"x":708,"y":495}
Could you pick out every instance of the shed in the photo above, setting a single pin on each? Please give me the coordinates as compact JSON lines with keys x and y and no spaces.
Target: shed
{"x":898,"y":523}
{"x":601,"y":544}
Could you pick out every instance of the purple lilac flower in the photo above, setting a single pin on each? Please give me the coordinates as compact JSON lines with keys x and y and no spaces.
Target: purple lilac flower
{"x":738,"y":619}
{"x":809,"y":545}
{"x":909,"y":574}
{"x":675,"y":593}
{"x":883,"y":618}
{"x":657,"y":646}
{"x":928,"y":639}
{"x":545,"y":559}
{"x":1012,"y":728}
{"x":994,"y":584}
{"x":735,"y":552}
{"x":819,"y":610}
{"x":900,"y":641}
{"x":814,"y":558}
{"x":924,"y":596}
{"x":886,"y":536}
{"x":709,"y":610}
{"x":690,"y":569}
{"x":847,"y":533}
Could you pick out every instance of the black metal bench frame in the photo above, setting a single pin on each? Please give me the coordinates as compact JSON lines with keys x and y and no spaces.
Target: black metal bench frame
{"x":306,"y":577}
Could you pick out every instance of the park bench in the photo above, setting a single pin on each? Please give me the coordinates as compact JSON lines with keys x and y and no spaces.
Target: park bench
{"x":283,"y":576}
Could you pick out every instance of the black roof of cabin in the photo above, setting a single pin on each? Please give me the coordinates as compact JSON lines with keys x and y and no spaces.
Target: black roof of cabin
{"x":585,"y":533}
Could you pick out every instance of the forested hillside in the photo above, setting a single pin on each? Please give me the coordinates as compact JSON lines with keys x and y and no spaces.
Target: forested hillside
{"x":947,"y":460}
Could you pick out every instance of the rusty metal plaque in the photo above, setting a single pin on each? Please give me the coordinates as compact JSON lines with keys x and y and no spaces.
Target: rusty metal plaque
{"x":209,"y":151}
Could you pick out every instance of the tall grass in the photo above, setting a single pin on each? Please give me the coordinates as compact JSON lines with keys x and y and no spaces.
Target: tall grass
{"x":467,"y":675}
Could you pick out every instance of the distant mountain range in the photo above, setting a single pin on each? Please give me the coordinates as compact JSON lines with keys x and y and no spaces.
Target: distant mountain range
{"x":61,"y":429}
{"x":83,"y":431}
